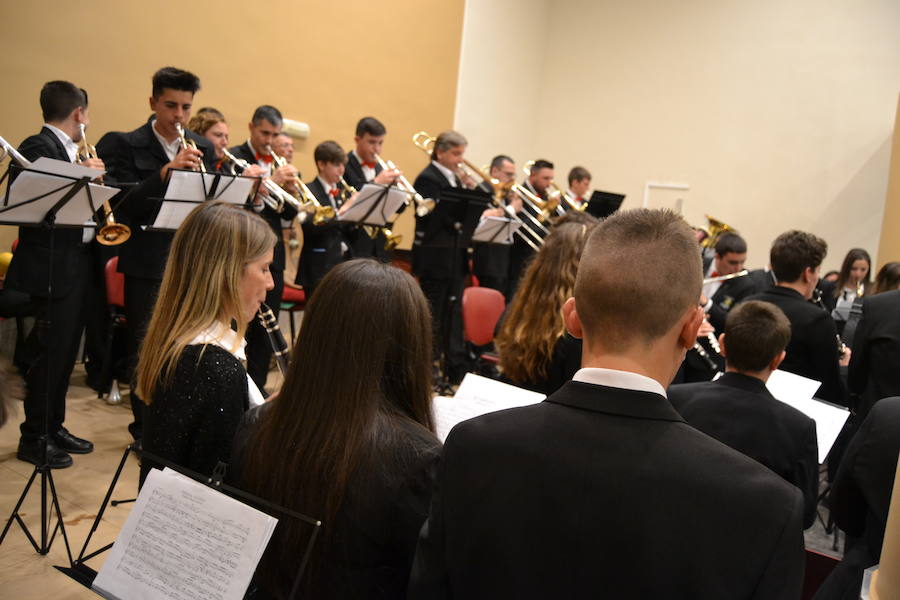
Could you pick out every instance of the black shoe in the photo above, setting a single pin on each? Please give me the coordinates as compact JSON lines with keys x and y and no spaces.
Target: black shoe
{"x":30,"y":451}
{"x":68,"y":442}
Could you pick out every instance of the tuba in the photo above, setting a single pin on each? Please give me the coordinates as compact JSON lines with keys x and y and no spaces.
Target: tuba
{"x":110,"y":233}
{"x":714,"y":231}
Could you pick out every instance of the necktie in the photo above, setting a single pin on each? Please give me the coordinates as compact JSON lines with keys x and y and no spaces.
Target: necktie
{"x":370,"y":165}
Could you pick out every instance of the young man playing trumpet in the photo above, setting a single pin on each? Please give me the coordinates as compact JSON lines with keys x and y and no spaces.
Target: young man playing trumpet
{"x":52,"y":344}
{"x":141,"y":159}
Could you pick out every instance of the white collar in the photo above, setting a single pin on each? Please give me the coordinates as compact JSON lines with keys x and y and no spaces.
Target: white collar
{"x":223,"y":337}
{"x":450,"y":175}
{"x":70,"y":146}
{"x":619,"y":379}
{"x":171,"y":148}
{"x":328,"y":186}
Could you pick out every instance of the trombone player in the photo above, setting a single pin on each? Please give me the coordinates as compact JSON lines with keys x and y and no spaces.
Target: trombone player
{"x":538,"y":183}
{"x":490,"y":262}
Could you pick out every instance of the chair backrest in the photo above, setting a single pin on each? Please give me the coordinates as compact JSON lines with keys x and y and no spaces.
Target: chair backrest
{"x":15,"y":244}
{"x":115,"y":283}
{"x":292,"y":294}
{"x":481,"y":308}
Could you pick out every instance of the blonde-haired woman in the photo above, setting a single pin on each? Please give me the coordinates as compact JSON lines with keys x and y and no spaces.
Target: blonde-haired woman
{"x":190,"y":370}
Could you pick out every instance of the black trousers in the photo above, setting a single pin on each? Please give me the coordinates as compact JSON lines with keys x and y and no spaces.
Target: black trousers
{"x":49,"y":352}
{"x":140,"y":298}
{"x":259,"y":349}
{"x":445,"y":295}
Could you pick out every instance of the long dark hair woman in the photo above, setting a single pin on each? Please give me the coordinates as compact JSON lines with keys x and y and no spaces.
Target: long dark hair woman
{"x":349,"y":440}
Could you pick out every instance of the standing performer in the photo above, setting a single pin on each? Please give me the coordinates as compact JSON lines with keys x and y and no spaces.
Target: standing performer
{"x":538,"y":183}
{"x":143,"y":157}
{"x":579,"y":185}
{"x":490,"y":262}
{"x":264,"y":127}
{"x":52,"y":345}
{"x":211,"y":124}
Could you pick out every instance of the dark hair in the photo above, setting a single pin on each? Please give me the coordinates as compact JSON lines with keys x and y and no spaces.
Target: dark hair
{"x":497,"y":161}
{"x":578,"y":174}
{"x":446,"y":140}
{"x":541,"y":164}
{"x":269,"y":113}
{"x":888,"y":278}
{"x":755,"y":333}
{"x":730,"y":242}
{"x":793,"y":251}
{"x":60,"y":98}
{"x":329,"y":152}
{"x":174,"y":79}
{"x":370,"y":125}
{"x":639,"y":273}
{"x":852,"y":256}
{"x":360,"y":373}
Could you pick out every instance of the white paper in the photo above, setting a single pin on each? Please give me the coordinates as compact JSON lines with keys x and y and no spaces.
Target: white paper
{"x":29,"y":185}
{"x":477,"y":396}
{"x":383,"y":213}
{"x":492,"y":230}
{"x":234,"y":190}
{"x":184,"y":540}
{"x":797,"y":391}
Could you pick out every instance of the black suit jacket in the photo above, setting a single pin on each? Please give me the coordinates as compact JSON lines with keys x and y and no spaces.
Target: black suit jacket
{"x":272,"y":218}
{"x":601,"y":491}
{"x":740,"y":412}
{"x":28,"y":272}
{"x":321,"y":243}
{"x":873,"y":372}
{"x":432,"y":251}
{"x":490,"y":260}
{"x":361,"y":245}
{"x":730,"y":293}
{"x":353,"y":173}
{"x":136,"y":158}
{"x":812,"y":351}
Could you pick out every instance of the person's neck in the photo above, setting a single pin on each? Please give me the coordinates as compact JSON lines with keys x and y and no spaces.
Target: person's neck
{"x":761,"y":375}
{"x":797,"y":286}
{"x":169,"y":136}
{"x":69,"y":127}
{"x":652,"y":362}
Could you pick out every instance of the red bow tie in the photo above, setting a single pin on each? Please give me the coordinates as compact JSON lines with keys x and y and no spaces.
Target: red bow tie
{"x":713,"y":274}
{"x":266,"y":158}
{"x":370,"y":165}
{"x":334,"y":192}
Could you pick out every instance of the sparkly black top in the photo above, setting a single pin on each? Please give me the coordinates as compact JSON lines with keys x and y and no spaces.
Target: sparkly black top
{"x":192,"y":421}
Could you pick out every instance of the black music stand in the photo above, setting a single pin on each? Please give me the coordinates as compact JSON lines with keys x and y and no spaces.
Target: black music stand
{"x":495,"y":230}
{"x":603,"y":204}
{"x":59,"y":191}
{"x":459,"y":210}
{"x":85,"y":575}
{"x":186,"y":189}
{"x":375,"y":205}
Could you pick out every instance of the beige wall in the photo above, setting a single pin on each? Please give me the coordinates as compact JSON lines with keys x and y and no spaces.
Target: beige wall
{"x":779,"y":115}
{"x":889,"y":250}
{"x":327,"y":64}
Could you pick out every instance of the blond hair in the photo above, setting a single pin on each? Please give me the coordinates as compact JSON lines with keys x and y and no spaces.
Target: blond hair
{"x":201,"y":285}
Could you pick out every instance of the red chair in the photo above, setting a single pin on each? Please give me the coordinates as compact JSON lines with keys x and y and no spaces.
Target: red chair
{"x":293,"y":300}
{"x":481,"y":310}
{"x":115,"y":299}
{"x":15,"y":245}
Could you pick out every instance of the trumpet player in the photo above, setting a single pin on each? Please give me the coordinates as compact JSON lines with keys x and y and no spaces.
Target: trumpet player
{"x":52,"y":345}
{"x":490,"y":262}
{"x":142,"y":158}
{"x":264,"y":128}
{"x":211,"y":124}
{"x":538,"y":183}
{"x":328,"y":244}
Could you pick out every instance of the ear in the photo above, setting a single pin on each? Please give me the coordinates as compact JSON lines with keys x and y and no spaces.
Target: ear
{"x":722,"y":345}
{"x":152,"y":104}
{"x":690,"y":324}
{"x":776,"y":362}
{"x":571,"y":319}
{"x":250,"y":126}
{"x":356,"y":139}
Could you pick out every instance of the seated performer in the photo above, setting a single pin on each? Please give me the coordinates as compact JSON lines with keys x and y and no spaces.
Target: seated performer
{"x":490,"y":262}
{"x":579,"y":185}
{"x":349,"y":439}
{"x":284,"y":147}
{"x":873,"y":372}
{"x":210,"y":123}
{"x":888,"y":278}
{"x":264,"y":126}
{"x":853,"y":281}
{"x":190,"y":372}
{"x":813,"y":350}
{"x":327,"y":244}
{"x":602,"y":489}
{"x":535,"y":350}
{"x":143,"y":157}
{"x":363,"y":168}
{"x":52,"y":344}
{"x":739,"y":411}
{"x":538,"y":183}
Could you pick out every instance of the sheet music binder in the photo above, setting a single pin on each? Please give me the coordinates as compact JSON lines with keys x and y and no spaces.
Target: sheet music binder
{"x":375,"y":201}
{"x":495,"y":230}
{"x":185,"y":189}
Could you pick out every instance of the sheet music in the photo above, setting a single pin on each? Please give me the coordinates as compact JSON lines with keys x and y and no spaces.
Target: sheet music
{"x":369,"y":194}
{"x":495,"y":230}
{"x":184,"y":540}
{"x":189,"y":185}
{"x":797,"y":391}
{"x":477,"y":396}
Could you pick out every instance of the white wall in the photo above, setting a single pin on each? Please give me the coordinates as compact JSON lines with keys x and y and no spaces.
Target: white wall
{"x":778,"y":114}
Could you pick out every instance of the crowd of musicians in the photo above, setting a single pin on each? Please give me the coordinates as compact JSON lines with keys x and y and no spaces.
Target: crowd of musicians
{"x":639,"y":476}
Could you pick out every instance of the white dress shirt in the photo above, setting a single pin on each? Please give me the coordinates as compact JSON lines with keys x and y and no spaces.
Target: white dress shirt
{"x":619,"y":379}
{"x":70,"y":146}
{"x":450,"y":175}
{"x":368,"y":172}
{"x":170,"y":148}
{"x":227,"y":339}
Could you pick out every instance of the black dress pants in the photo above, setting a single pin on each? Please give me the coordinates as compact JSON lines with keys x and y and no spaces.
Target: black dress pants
{"x":140,"y":298}
{"x":445,"y":299}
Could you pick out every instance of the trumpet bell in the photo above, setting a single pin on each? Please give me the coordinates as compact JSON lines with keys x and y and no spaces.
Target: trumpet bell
{"x":322,"y":214}
{"x":113,"y":234}
{"x":714,"y":231}
{"x":424,"y":207}
{"x":392,"y":240}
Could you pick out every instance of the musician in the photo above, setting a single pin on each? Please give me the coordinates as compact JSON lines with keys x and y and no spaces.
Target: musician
{"x":538,"y":183}
{"x":349,"y":438}
{"x":739,"y":411}
{"x":264,"y":127}
{"x":535,"y":350}
{"x":490,"y":262}
{"x":873,"y":372}
{"x":854,"y":280}
{"x":141,"y":159}
{"x":211,"y":124}
{"x":52,"y":344}
{"x":813,"y":350}
{"x":602,"y":488}
{"x":284,"y":147}
{"x":718,"y":297}
{"x":579,"y":185}
{"x":362,"y":168}
{"x":328,"y":244}
{"x":888,"y":277}
{"x":190,"y":372}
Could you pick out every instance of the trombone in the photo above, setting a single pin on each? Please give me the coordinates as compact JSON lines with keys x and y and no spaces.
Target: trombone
{"x":320,"y":213}
{"x":423,"y":205}
{"x":567,"y":199}
{"x":543,"y":208}
{"x":111,"y":233}
{"x":277,"y":197}
{"x":392,"y":240}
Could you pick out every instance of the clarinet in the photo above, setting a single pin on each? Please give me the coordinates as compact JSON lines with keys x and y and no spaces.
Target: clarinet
{"x":817,"y":300}
{"x":276,"y":338}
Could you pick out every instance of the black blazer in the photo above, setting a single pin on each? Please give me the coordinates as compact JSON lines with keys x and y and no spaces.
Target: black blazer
{"x":861,"y":496}
{"x":730,"y":293}
{"x":740,"y":412}
{"x":490,"y":260}
{"x":432,"y":251}
{"x":28,"y":271}
{"x":272,"y":218}
{"x":812,"y":351}
{"x":361,"y":245}
{"x":604,"y":491}
{"x":873,"y":372}
{"x":321,"y":243}
{"x":135,"y":159}
{"x":353,"y":173}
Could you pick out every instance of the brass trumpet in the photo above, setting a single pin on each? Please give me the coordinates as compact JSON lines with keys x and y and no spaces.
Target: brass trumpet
{"x":277,"y":197}
{"x":111,"y":233}
{"x":320,"y":213}
{"x":392,"y":240}
{"x":186,"y":143}
{"x":423,"y":205}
